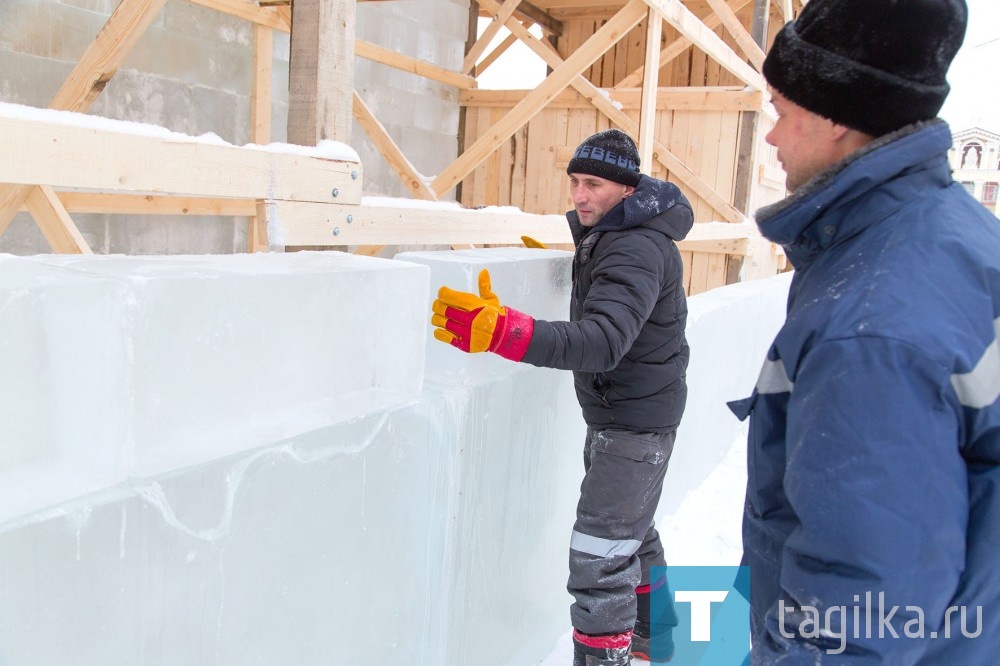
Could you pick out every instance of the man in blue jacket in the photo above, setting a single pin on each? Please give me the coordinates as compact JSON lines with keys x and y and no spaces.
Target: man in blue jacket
{"x":872,"y":518}
{"x":626,"y":347}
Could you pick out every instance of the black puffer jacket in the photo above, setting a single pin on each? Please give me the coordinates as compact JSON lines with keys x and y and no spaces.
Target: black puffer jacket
{"x":625,"y":338}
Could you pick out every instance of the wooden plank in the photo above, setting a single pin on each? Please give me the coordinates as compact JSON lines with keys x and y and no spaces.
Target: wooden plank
{"x":686,"y":263}
{"x":404,"y":63}
{"x":708,"y":98}
{"x":560,"y":77}
{"x":62,"y":156}
{"x":650,"y":83}
{"x":276,"y":18}
{"x":260,"y":92}
{"x":326,"y":224}
{"x":304,"y":223}
{"x":321,"y":71}
{"x":262,"y":59}
{"x":716,"y":270}
{"x":499,"y":18}
{"x":699,"y":273}
{"x":724,"y":247}
{"x":735,"y":28}
{"x":787,"y":10}
{"x":146,"y":204}
{"x":406,"y":172}
{"x":494,"y":55}
{"x":702,"y":36}
{"x":257,"y":229}
{"x":54,"y":222}
{"x":681,"y":44}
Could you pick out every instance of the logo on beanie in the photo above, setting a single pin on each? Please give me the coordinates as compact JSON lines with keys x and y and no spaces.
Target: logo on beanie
{"x":599,"y":153}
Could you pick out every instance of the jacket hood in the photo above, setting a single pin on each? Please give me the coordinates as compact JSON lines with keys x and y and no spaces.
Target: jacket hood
{"x":818,"y":215}
{"x":646,"y":207}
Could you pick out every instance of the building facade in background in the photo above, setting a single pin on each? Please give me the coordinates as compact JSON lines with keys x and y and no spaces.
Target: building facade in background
{"x":975,"y":160}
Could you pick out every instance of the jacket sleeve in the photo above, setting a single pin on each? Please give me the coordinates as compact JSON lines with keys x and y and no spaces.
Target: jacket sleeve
{"x":627,"y":279}
{"x":877,"y":486}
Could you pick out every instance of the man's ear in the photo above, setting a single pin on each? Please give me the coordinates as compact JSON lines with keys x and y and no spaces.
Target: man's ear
{"x":849,"y":139}
{"x":628,"y":191}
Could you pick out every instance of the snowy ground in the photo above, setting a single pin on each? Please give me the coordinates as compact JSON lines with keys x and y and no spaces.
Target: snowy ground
{"x":705,"y":530}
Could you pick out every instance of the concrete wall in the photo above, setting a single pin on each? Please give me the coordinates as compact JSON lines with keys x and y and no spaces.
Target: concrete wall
{"x":191,"y":73}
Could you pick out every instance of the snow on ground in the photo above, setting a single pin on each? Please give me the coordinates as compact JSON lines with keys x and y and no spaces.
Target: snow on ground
{"x":705,"y":530}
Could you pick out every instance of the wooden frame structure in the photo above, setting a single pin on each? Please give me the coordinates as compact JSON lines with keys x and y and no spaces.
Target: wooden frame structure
{"x":589,"y":71}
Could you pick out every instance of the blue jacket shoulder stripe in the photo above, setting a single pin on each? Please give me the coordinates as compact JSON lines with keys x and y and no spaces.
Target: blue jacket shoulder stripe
{"x":773,"y":378}
{"x":980,"y":387}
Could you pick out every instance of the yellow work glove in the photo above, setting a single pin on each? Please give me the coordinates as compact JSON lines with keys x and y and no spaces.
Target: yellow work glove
{"x":479,"y":323}
{"x":531,"y":242}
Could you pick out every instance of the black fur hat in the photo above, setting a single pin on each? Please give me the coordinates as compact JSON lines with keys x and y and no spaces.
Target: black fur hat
{"x":609,"y":154}
{"x":871,"y":65}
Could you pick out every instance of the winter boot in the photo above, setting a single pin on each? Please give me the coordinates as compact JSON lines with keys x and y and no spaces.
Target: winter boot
{"x":657,"y":649}
{"x":601,"y":650}
{"x":652,"y":637}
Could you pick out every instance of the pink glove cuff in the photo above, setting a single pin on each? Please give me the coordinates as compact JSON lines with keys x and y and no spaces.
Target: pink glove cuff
{"x":512,"y":335}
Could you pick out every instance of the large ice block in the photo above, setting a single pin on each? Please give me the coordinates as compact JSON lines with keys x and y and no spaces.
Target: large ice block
{"x":729,"y":330}
{"x":211,"y":355}
{"x":535,"y":281}
{"x":62,"y":380}
{"x":429,"y":533}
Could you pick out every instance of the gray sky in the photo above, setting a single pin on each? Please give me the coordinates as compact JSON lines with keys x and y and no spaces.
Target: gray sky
{"x":974,"y":75}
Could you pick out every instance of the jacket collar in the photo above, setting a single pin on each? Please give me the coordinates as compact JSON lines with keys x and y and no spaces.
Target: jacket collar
{"x":865,"y":187}
{"x":652,"y":198}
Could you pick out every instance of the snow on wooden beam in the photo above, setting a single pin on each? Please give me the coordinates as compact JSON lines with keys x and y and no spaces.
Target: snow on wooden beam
{"x":91,"y":158}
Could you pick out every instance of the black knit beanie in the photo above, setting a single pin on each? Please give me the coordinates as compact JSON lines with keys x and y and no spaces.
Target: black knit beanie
{"x":871,"y":65}
{"x":609,"y":154}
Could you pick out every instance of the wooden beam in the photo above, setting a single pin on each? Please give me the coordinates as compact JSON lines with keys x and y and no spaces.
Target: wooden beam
{"x":735,"y":28}
{"x":274,"y":17}
{"x":410,"y":177}
{"x":334,"y":224}
{"x":321,"y":71}
{"x":494,"y":55}
{"x":748,"y":139}
{"x":147,"y":204}
{"x":609,"y":34}
{"x":788,"y":10}
{"x":716,"y":98}
{"x":412,"y":65}
{"x":63,"y":156}
{"x":54,"y":222}
{"x":679,"y":45}
{"x":702,"y":36}
{"x":260,"y":84}
{"x":489,"y":33}
{"x":299,"y":223}
{"x":260,"y":118}
{"x":650,"y":84}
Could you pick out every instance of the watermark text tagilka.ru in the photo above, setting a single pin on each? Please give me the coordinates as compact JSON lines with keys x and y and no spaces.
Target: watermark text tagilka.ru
{"x":865,"y":620}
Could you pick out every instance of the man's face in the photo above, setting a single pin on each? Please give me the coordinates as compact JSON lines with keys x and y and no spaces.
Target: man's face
{"x":593,"y":196}
{"x":806,"y":142}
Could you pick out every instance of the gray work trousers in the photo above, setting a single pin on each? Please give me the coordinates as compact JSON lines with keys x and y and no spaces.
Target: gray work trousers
{"x":614,"y":542}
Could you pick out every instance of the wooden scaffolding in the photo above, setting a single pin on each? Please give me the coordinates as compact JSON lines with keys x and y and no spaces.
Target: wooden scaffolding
{"x":683,"y":77}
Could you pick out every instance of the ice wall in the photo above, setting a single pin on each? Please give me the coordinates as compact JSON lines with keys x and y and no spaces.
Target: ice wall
{"x":266,"y":459}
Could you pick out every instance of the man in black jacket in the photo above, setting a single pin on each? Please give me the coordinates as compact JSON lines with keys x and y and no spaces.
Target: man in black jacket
{"x":626,"y":347}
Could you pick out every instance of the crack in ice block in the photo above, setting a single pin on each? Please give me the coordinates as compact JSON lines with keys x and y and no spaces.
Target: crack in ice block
{"x":534,"y":281}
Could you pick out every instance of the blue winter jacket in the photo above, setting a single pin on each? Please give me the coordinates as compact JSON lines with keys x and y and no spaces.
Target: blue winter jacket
{"x":873,"y":492}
